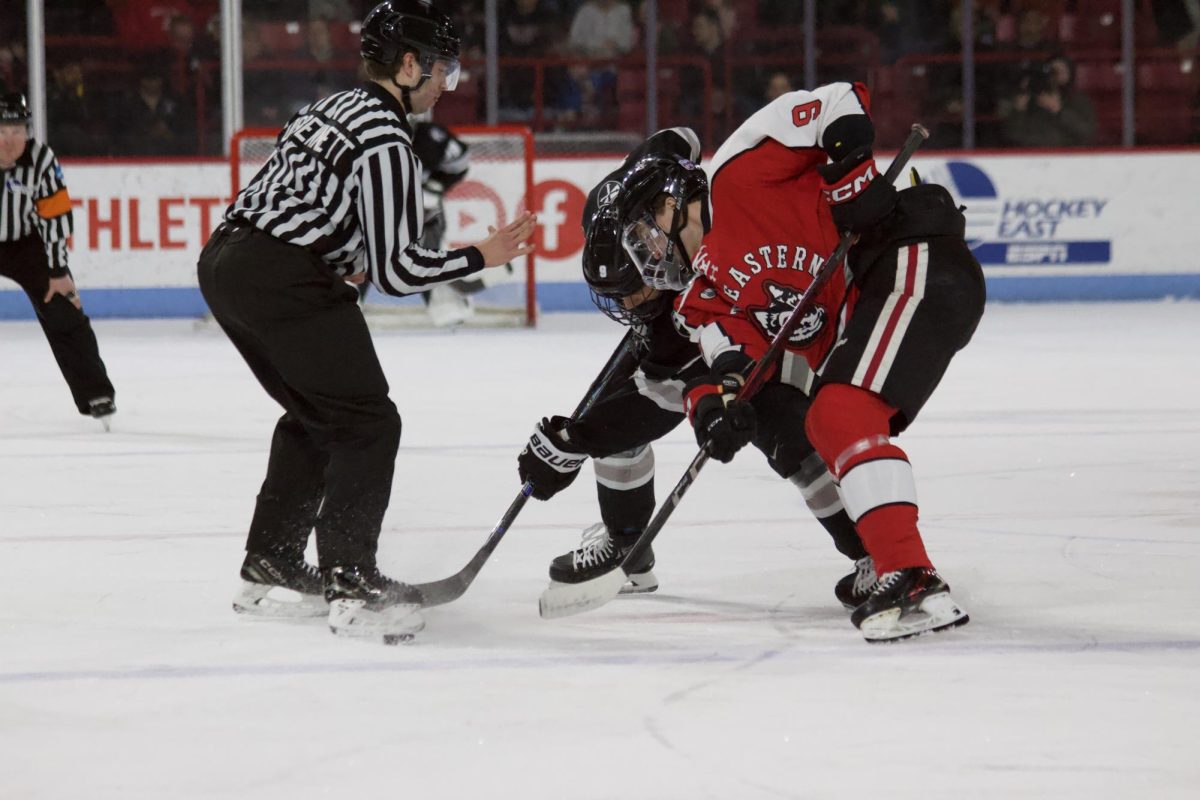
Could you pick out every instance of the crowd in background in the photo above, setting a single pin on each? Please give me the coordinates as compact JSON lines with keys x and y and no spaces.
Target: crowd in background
{"x":142,"y":77}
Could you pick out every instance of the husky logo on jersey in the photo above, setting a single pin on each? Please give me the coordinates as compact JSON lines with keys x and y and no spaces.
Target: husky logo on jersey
{"x":708,"y":294}
{"x":771,"y":317}
{"x":609,"y":193}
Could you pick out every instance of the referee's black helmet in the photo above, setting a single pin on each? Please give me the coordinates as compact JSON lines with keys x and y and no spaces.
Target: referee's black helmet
{"x":396,"y":27}
{"x":13,"y":108}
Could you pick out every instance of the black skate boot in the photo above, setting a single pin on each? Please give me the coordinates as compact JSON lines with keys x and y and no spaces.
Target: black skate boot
{"x":854,"y":588}
{"x":102,"y":409}
{"x":601,"y":552}
{"x":908,"y":602}
{"x":367,"y":604}
{"x":280,"y":586}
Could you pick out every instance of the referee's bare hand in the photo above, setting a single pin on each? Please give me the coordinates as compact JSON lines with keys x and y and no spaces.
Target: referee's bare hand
{"x":503,"y":245}
{"x":66,"y":287}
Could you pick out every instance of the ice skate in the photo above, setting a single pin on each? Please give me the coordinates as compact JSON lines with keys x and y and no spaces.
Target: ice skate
{"x":280,"y":586}
{"x":368,"y":605}
{"x":906,"y":603}
{"x":856,"y":587}
{"x":102,"y":409}
{"x":600,"y":552}
{"x":449,"y":308}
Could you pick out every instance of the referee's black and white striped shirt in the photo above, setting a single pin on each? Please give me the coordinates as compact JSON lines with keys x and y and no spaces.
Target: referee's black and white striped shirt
{"x":343,"y":182}
{"x":34,"y":201}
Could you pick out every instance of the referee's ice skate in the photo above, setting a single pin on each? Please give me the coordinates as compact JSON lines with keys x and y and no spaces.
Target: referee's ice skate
{"x":283,"y":587}
{"x":369,"y":605}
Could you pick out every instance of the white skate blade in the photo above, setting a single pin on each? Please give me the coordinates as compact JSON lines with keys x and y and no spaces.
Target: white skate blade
{"x":938,"y":612}
{"x":640,"y":583}
{"x":260,"y":600}
{"x":565,"y":599}
{"x":105,"y":421}
{"x":392,"y":625}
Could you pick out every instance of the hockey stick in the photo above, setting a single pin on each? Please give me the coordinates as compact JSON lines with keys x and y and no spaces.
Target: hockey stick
{"x":436,"y":593}
{"x":565,"y":599}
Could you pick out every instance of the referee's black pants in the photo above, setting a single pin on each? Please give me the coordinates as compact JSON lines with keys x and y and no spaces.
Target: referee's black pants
{"x":67,"y":329}
{"x":298,"y":325}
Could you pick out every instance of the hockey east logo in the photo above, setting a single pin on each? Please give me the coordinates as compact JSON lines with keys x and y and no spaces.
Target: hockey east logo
{"x":782,"y":301}
{"x":1006,"y":230}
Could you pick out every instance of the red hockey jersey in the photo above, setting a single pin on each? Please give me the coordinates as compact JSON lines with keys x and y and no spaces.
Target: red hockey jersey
{"x":771,"y":232}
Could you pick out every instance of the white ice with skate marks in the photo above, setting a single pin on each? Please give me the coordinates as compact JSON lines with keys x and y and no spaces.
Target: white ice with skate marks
{"x":1060,"y":489}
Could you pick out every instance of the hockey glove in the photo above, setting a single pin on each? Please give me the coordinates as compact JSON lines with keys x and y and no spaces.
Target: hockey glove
{"x":858,"y":197}
{"x":548,"y":461}
{"x":722,"y":424}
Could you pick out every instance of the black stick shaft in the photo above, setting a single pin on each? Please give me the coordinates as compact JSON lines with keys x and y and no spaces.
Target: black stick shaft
{"x":451,"y":588}
{"x":758,"y":374}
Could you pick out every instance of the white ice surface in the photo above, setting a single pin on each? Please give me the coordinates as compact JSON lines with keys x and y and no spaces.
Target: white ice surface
{"x":1060,"y":485}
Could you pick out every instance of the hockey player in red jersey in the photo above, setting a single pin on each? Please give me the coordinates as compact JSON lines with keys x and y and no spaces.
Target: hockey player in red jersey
{"x":913,"y":297}
{"x":636,"y":284}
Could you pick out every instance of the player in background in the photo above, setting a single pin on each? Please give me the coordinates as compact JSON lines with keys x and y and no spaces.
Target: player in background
{"x":920,"y":295}
{"x":445,"y":160}
{"x":339,"y":199}
{"x":635,"y":289}
{"x":35,"y":223}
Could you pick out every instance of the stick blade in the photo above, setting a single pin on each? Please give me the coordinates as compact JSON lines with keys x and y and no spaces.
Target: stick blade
{"x":566,"y":599}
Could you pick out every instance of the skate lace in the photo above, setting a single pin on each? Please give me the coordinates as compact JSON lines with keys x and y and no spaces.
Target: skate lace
{"x":887,"y":580}
{"x":865,"y":579}
{"x":596,"y":546}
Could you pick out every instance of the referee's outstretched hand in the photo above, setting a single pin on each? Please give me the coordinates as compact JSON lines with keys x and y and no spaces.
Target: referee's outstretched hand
{"x":503,"y":245}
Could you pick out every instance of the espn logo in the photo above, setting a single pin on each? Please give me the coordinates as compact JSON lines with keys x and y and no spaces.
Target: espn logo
{"x":851,"y":189}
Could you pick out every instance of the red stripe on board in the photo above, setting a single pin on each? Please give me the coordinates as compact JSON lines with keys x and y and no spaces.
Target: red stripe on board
{"x":894,"y":319}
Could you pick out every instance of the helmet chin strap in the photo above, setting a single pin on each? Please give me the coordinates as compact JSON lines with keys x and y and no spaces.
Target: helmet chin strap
{"x":406,"y":91}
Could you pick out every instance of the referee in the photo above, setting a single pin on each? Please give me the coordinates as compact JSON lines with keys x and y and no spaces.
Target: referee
{"x":35,"y":221}
{"x":337,"y":203}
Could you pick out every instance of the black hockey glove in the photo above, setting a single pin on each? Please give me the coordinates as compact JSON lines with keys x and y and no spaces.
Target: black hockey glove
{"x":722,"y":424}
{"x":548,"y":461}
{"x":858,"y":197}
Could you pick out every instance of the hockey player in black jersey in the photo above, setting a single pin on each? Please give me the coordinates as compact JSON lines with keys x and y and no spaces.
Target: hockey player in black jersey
{"x":617,"y":431}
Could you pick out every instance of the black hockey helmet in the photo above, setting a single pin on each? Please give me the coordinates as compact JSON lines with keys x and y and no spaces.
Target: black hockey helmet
{"x":13,"y":108}
{"x":396,"y":27}
{"x":610,"y":274}
{"x":656,"y":253}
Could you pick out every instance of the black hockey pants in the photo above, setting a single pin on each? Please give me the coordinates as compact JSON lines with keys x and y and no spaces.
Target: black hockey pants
{"x":299,"y":328}
{"x":67,"y":329}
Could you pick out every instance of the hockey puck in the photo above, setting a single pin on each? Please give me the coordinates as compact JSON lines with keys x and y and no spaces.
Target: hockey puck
{"x":397,"y":638}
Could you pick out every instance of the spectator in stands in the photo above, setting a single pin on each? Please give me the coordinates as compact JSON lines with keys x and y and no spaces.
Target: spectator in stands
{"x":527,"y":29}
{"x":270,"y":98}
{"x":707,"y":42}
{"x":1048,"y":111}
{"x":1034,"y":31}
{"x":143,"y":25}
{"x":600,"y":29}
{"x":12,"y":66}
{"x":74,"y":113}
{"x":778,"y":84}
{"x":337,"y":10}
{"x":155,"y":122}
{"x":726,"y":13}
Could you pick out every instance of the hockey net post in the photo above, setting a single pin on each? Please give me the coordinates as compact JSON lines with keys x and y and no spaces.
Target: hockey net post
{"x":498,"y":186}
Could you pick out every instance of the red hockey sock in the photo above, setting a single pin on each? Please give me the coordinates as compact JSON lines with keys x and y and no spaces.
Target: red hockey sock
{"x":891,"y":537}
{"x":849,"y":427}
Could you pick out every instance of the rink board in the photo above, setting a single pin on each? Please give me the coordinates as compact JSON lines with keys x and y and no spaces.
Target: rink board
{"x":1085,"y":226}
